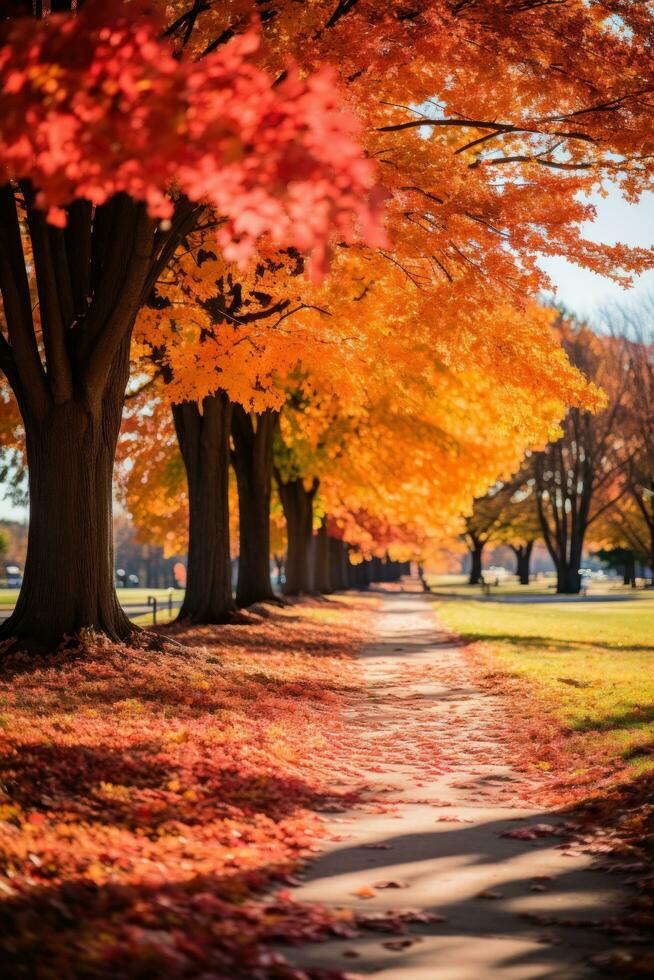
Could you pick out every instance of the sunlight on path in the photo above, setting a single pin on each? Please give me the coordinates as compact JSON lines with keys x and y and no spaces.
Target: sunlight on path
{"x":442,"y":792}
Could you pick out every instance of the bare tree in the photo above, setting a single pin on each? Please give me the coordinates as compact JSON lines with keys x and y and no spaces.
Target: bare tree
{"x":579,"y":476}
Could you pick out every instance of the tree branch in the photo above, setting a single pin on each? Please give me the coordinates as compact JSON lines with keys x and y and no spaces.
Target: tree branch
{"x":15,"y":290}
{"x":55,"y":300}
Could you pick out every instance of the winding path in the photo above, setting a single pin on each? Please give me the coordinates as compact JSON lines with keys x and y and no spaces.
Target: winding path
{"x":441,"y":797}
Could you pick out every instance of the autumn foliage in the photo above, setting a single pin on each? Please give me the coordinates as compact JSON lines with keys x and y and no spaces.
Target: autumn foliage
{"x":145,"y":805}
{"x":97,"y":105}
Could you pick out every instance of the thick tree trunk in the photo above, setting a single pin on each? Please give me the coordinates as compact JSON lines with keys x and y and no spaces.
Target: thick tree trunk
{"x":568,"y":579}
{"x":297,"y":503}
{"x":68,"y":584}
{"x":204,"y":443}
{"x":476,"y":555}
{"x":253,"y":448}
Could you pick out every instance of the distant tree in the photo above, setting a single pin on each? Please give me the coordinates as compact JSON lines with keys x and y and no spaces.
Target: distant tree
{"x":621,"y":560}
{"x":581,"y":475}
{"x":633,"y":520}
{"x":482,"y":524}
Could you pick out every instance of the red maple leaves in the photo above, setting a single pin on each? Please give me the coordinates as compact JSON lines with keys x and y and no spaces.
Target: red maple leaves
{"x":95,"y":105}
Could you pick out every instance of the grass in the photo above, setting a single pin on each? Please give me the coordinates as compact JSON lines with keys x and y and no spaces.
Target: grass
{"x":545,"y":585}
{"x":126,"y":597}
{"x":8,"y":596}
{"x":457,"y":585}
{"x":591,"y":663}
{"x":164,"y":617}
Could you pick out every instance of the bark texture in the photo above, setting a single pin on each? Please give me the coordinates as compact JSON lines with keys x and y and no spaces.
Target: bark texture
{"x":68,"y":369}
{"x":68,"y":584}
{"x":204,"y":444}
{"x":253,"y":455}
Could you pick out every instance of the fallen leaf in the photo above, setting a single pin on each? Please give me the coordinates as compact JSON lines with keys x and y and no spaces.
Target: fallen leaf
{"x":364,"y":892}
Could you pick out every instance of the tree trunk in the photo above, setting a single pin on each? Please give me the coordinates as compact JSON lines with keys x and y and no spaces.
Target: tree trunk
{"x":350,"y":570}
{"x":253,"y":447}
{"x":204,"y":443}
{"x":360,"y":574}
{"x":476,"y":554}
{"x":68,"y":583}
{"x":629,"y":577}
{"x":426,"y":587}
{"x":322,"y":581}
{"x":523,"y":558}
{"x":568,"y":579}
{"x":297,"y":504}
{"x":337,"y":564}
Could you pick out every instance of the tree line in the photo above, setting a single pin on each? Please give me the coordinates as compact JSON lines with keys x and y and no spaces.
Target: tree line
{"x":593,"y":483}
{"x":265,"y":244}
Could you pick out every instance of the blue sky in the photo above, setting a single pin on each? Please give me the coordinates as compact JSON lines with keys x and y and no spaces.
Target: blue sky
{"x":583,"y":292}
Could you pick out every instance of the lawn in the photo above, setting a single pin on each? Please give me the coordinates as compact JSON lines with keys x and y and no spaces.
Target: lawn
{"x":126,"y":597}
{"x":589,"y":664}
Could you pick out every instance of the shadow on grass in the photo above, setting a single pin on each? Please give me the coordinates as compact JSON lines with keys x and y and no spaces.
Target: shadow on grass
{"x":632,"y":717}
{"x":553,"y":645}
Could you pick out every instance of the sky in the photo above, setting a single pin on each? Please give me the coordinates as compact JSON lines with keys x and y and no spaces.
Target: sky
{"x":582,"y":292}
{"x":585,"y":293}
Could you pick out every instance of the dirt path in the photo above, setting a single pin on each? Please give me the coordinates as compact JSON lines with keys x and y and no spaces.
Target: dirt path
{"x":437,"y":753}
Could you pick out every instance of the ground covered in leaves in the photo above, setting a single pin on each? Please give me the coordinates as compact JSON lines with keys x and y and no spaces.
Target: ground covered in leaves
{"x":154,"y":805}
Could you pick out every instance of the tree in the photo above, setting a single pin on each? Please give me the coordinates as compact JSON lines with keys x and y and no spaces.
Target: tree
{"x":635,"y":325}
{"x":253,"y":436}
{"x":579,"y":476}
{"x":469,"y":241}
{"x":485,"y":520}
{"x":87,"y":209}
{"x":621,"y":560}
{"x":207,"y":327}
{"x":519,"y":524}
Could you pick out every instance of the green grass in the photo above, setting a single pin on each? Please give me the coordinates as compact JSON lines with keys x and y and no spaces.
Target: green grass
{"x":132,"y":596}
{"x":458,"y":585}
{"x":163,"y":617}
{"x":593,"y":661}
